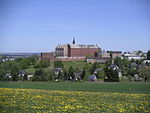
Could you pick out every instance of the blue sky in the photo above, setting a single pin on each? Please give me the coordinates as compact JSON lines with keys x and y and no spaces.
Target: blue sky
{"x":39,"y":25}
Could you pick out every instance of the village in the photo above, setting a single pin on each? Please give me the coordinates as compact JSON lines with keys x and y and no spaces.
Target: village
{"x":74,"y":56}
{"x":74,"y":62}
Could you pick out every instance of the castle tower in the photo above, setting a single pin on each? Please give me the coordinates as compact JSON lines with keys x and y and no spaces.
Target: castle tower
{"x":73,"y":42}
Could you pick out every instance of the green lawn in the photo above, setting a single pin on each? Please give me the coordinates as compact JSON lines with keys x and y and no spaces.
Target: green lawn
{"x":67,"y":64}
{"x":142,"y":88}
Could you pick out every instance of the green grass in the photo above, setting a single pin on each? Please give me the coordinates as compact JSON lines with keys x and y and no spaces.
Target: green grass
{"x":143,"y":88}
{"x":74,"y":64}
{"x":67,"y":64}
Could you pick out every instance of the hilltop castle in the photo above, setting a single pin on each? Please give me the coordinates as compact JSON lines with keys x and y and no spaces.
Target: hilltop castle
{"x":71,"y":51}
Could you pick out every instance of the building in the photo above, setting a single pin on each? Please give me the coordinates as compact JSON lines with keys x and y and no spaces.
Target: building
{"x":70,"y":52}
{"x":47,"y":56}
{"x":133,"y":55}
{"x":105,"y":54}
{"x":115,"y":53}
{"x":83,"y":50}
{"x":62,"y":50}
{"x":75,"y":50}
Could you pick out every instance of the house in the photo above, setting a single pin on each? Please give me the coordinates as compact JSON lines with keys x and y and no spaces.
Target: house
{"x":97,"y":70}
{"x":30,"y":77}
{"x":115,"y":67}
{"x":133,"y":55}
{"x":22,"y":73}
{"x":92,"y":78}
{"x":105,"y":54}
{"x":133,"y":65}
{"x":57,"y":72}
{"x":115,"y":53}
{"x":8,"y":75}
{"x":77,"y":75}
{"x":146,"y":62}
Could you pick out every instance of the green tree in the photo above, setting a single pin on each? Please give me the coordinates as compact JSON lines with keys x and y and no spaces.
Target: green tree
{"x":70,"y":72}
{"x":111,"y":55}
{"x":125,"y":62}
{"x":58,"y":64}
{"x":108,"y":63}
{"x":94,"y":66}
{"x":111,"y":75}
{"x":83,"y":74}
{"x":15,"y":72}
{"x":118,"y":62}
{"x":39,"y":75}
{"x":43,"y":64}
{"x":48,"y":75}
{"x":33,"y":59}
{"x":148,"y":55}
{"x":132,"y":72}
{"x":24,"y":63}
{"x":65,"y":74}
{"x":145,"y":71}
{"x":25,"y":76}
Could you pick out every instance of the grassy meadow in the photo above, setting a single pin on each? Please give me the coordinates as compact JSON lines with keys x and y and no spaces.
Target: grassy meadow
{"x":65,"y":97}
{"x":141,"y":88}
{"x":46,"y":101}
{"x":66,"y":64}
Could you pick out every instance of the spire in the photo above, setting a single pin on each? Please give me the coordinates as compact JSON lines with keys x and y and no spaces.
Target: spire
{"x":73,"y":41}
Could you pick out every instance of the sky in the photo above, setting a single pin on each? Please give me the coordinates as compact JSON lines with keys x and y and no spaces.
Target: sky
{"x":40,"y":25}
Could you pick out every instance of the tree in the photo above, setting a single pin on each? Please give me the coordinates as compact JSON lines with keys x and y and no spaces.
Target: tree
{"x":39,"y":75}
{"x":111,"y":75}
{"x":25,"y":76}
{"x":3,"y":71}
{"x":65,"y":74}
{"x":33,"y":59}
{"x":118,"y":62}
{"x":24,"y":63}
{"x":96,"y":54}
{"x":139,"y":52}
{"x":83,"y":74}
{"x":43,"y":64}
{"x":70,"y":72}
{"x":111,"y":55}
{"x":108,"y":63}
{"x":132,"y":72}
{"x":58,"y":64}
{"x":48,"y":74}
{"x":145,"y":71}
{"x":15,"y":72}
{"x":148,"y":55}
{"x":125,"y":62}
{"x":93,"y":68}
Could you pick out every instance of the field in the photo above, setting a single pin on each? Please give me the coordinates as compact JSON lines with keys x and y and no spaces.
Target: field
{"x":141,"y":88}
{"x":74,"y":97}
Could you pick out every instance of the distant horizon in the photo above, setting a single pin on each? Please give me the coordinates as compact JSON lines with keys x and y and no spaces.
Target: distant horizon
{"x":34,"y":26}
{"x":71,"y":43}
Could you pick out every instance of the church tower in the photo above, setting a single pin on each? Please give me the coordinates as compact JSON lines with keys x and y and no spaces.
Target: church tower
{"x":73,"y":42}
